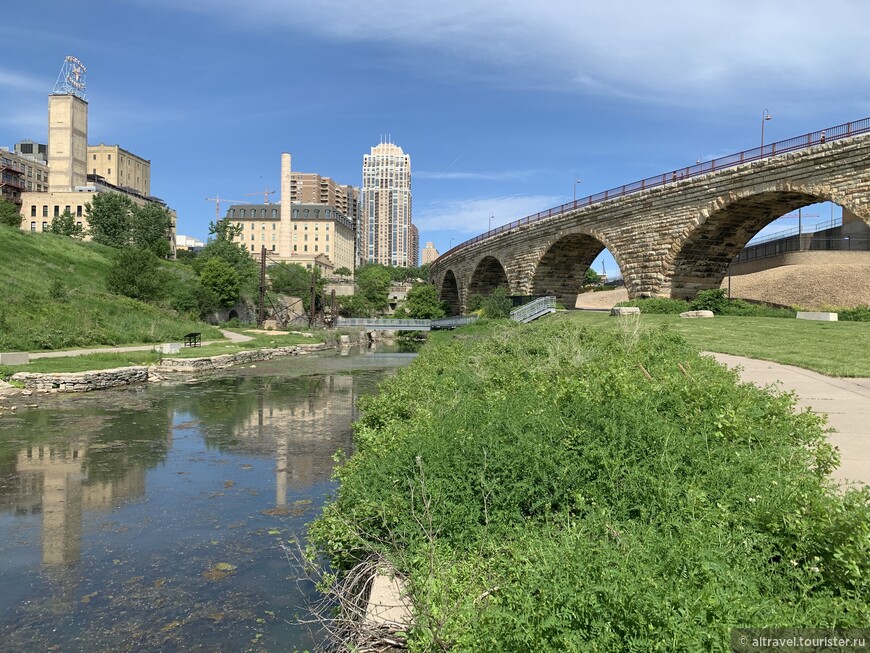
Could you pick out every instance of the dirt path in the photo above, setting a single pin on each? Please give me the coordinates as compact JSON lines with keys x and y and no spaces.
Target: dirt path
{"x":233,"y":337}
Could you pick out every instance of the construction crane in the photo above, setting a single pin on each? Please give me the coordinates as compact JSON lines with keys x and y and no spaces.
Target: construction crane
{"x":266,"y":192}
{"x":217,"y":205}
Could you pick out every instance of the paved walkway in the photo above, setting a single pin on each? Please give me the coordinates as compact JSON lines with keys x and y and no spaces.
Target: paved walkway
{"x":845,"y":401}
{"x":231,"y":335}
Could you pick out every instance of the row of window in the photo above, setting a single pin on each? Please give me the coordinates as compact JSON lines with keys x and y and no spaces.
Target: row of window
{"x":253,"y":213}
{"x":45,"y":225}
{"x":56,"y":210}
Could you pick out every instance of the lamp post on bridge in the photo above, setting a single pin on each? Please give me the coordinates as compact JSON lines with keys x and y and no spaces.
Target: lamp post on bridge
{"x":765,"y":116}
{"x":577,"y":180}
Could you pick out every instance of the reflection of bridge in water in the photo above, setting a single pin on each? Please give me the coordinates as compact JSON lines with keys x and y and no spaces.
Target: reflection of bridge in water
{"x":671,"y":235}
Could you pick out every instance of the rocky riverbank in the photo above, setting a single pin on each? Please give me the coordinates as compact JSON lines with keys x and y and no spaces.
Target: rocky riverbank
{"x":103,"y":379}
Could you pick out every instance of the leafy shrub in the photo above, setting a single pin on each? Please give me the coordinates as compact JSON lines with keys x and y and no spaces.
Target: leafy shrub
{"x":659,"y":305}
{"x":546,"y":488}
{"x":857,"y":314}
{"x":497,"y":304}
{"x":136,"y":274}
{"x":710,"y":300}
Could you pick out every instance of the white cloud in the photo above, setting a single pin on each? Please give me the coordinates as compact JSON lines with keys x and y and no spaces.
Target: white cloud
{"x":471,"y":216}
{"x":19,"y":82}
{"x":678,"y":51}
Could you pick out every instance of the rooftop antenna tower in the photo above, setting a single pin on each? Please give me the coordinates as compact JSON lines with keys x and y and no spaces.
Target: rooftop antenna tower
{"x":71,"y":80}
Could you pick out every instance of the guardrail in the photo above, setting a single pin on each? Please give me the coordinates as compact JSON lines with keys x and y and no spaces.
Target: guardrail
{"x":794,"y":244}
{"x":391,"y":324}
{"x":805,"y":141}
{"x":534,"y":309}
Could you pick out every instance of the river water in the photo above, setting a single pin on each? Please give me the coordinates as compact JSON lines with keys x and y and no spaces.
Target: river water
{"x":152,"y":518}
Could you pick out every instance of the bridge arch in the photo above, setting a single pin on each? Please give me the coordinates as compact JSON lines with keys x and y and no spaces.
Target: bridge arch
{"x":699,"y":259}
{"x":563,"y":264}
{"x":449,"y":293}
{"x":488,"y":275}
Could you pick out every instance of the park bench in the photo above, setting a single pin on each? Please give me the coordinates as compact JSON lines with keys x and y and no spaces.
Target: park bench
{"x":193,"y":339}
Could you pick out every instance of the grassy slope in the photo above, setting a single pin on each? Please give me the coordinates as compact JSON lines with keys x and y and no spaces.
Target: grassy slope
{"x":832,"y":348}
{"x":53,"y":296}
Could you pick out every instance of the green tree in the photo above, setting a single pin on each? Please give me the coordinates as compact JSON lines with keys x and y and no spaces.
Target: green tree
{"x":295,"y":280}
{"x":235,"y":256}
{"x":343,"y":272}
{"x":224,"y":229}
{"x":109,"y":216}
{"x":591,"y":278}
{"x":222,"y":279}
{"x":498,"y":304}
{"x":136,"y":273}
{"x":9,"y":214}
{"x":65,"y":225}
{"x":373,"y":287}
{"x":421,"y":302}
{"x":149,"y":227}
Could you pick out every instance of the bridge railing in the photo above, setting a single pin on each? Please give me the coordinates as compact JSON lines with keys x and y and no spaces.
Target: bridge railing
{"x":382,"y":322}
{"x":828,"y":134}
{"x":452,"y":322}
{"x":534,"y":308}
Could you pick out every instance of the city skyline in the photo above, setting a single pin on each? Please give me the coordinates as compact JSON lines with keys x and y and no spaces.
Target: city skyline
{"x":502,"y":108}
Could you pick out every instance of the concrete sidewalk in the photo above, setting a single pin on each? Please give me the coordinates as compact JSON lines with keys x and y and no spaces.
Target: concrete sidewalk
{"x":230,"y":335}
{"x":846,"y":402}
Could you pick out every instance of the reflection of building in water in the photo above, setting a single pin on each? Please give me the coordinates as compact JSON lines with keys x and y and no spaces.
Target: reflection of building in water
{"x":303,"y":431}
{"x":49,"y":479}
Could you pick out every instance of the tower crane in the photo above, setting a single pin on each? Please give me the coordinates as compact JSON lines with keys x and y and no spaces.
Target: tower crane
{"x":217,"y":205}
{"x":266,"y":192}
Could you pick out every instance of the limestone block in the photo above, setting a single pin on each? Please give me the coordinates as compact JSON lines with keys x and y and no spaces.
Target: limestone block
{"x":15,"y":358}
{"x":170,"y":348}
{"x":625,"y":310}
{"x":697,"y":314}
{"x":821,"y":316}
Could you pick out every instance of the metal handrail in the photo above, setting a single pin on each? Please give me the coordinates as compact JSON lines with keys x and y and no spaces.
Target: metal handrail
{"x":829,"y":134}
{"x":534,"y":307}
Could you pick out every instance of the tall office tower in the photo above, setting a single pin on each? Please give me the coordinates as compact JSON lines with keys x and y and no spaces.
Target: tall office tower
{"x":386,"y":234}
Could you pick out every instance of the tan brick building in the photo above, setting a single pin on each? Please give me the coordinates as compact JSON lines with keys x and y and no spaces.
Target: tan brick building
{"x":120,"y":168}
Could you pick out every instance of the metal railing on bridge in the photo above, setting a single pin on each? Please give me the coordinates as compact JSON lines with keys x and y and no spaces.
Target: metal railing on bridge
{"x":826,"y":135}
{"x":395,"y":324}
{"x":534,"y":309}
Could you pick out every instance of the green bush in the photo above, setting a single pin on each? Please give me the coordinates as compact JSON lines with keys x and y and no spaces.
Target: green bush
{"x":659,"y":305}
{"x":710,"y":300}
{"x":857,"y":314}
{"x":497,"y":304}
{"x":136,"y":274}
{"x":547,"y":488}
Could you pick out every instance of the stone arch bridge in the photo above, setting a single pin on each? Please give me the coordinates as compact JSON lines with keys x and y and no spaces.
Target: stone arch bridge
{"x":672,"y":235}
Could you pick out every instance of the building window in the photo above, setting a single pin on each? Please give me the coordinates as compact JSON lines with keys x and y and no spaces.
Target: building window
{"x":327,"y":237}
{"x":232,"y":213}
{"x":273,"y":247}
{"x":327,"y":248}
{"x":252,"y":248}
{"x":110,"y":158}
{"x":294,"y":248}
{"x":66,"y":208}
{"x":305,"y":248}
{"x":45,"y":226}
{"x":305,"y":215}
{"x":79,"y":211}
{"x":273,"y":226}
{"x":45,"y":210}
{"x":56,"y":210}
{"x":315,"y":248}
{"x":95,"y":157}
{"x":33,"y":211}
{"x":33,"y":226}
{"x":252,"y":237}
{"x":274,"y":213}
{"x":241,"y":213}
{"x":294,"y":227}
{"x":109,"y":171}
{"x":306,"y":237}
{"x":295,"y":213}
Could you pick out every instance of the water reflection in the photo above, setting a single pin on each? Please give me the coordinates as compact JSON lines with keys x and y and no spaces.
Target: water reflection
{"x":115,"y":506}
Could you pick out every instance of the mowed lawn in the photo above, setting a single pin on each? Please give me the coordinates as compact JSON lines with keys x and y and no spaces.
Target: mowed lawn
{"x":832,"y":348}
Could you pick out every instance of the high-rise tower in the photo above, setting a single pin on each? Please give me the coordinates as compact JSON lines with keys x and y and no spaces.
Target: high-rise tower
{"x":386,"y":230}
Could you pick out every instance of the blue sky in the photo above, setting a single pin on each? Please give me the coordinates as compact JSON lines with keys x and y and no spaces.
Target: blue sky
{"x":501,"y":105}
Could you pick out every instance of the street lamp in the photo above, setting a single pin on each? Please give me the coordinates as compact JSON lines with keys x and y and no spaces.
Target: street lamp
{"x":576,"y":181}
{"x":490,"y":221}
{"x":765,"y":116}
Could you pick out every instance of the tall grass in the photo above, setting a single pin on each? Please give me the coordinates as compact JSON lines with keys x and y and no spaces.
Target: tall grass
{"x":557,"y":487}
{"x":53,"y":296}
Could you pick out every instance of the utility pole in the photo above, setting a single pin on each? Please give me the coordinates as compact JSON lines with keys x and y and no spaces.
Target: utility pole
{"x":334,"y":309}
{"x":261,"y":306}
{"x":312,"y":315}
